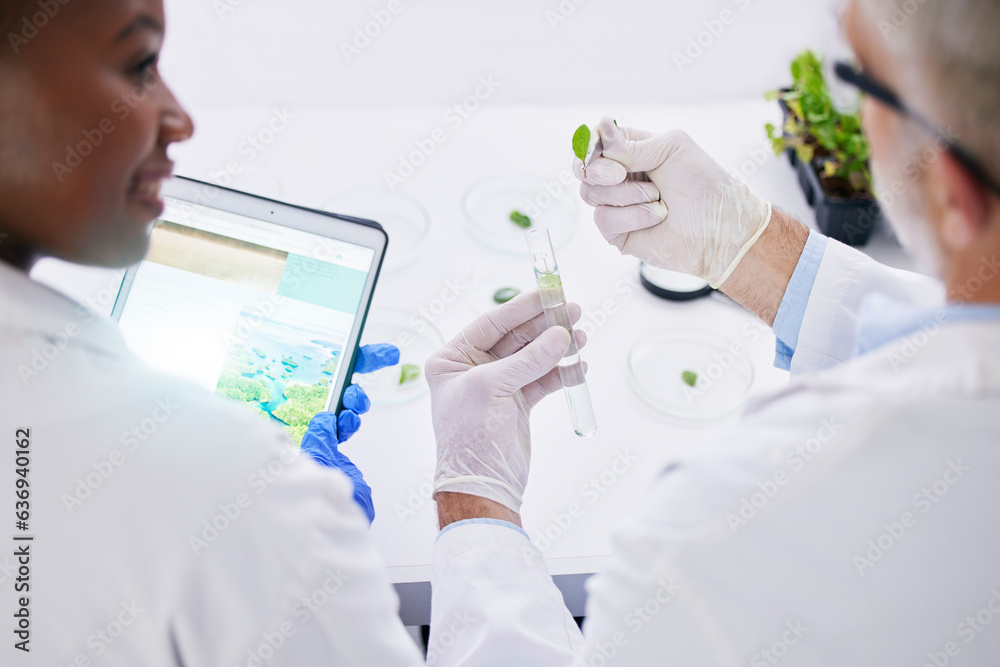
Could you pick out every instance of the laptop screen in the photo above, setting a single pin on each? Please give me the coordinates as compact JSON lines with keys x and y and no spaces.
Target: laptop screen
{"x":258,"y":312}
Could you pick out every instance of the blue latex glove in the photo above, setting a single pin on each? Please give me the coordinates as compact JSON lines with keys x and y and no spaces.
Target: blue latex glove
{"x":326,"y":430}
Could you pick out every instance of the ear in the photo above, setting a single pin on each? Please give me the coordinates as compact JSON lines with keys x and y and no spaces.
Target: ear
{"x":963,"y":203}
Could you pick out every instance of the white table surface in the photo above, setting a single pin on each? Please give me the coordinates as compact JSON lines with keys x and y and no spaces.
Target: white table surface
{"x":324,"y":152}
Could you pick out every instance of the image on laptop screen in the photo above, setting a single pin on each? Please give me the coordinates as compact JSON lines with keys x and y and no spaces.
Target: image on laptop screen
{"x":254,"y":311}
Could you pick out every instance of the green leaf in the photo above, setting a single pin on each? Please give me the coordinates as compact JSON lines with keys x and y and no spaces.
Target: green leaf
{"x":408,"y":373}
{"x":505,"y":294}
{"x":806,"y":153}
{"x":814,"y":123}
{"x":581,"y":142}
{"x":859,"y":181}
{"x":520,"y":219}
{"x":690,"y":378}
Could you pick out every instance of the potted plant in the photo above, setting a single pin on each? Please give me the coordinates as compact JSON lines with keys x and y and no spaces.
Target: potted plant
{"x":829,"y":152}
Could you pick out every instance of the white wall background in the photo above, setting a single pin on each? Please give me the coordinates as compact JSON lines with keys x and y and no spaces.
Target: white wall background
{"x":546,"y":52}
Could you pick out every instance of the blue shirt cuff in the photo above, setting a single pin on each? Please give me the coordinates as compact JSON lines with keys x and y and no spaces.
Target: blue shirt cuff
{"x":792,"y":310}
{"x":493,"y":522}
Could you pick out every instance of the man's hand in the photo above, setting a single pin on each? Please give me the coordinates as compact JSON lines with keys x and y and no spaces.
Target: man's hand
{"x":662,"y":199}
{"x":327,"y":431}
{"x":483,"y":386}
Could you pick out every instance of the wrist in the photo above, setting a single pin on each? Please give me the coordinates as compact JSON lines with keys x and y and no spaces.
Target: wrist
{"x":452,"y":507}
{"x":759,"y":281}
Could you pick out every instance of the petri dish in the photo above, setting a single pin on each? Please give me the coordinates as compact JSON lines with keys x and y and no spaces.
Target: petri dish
{"x":496,"y":274}
{"x":404,"y":219}
{"x":725,"y":374}
{"x":487,"y":206}
{"x":417,"y":339}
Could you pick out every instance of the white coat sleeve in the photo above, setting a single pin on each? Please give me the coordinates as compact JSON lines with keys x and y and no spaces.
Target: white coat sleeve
{"x":495,"y":604}
{"x":292,"y":578}
{"x":828,"y":336}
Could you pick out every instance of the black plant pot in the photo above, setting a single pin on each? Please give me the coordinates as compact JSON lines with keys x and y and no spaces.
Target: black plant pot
{"x":849,"y":221}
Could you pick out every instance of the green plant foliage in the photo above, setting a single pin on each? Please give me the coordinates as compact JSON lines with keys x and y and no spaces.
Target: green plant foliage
{"x":820,"y":135}
{"x":581,"y":142}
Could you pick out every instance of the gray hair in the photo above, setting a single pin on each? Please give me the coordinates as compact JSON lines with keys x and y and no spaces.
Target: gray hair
{"x":947,"y":55}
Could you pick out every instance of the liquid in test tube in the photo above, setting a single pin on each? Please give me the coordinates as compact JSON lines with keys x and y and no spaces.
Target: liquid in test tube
{"x":574,"y":382}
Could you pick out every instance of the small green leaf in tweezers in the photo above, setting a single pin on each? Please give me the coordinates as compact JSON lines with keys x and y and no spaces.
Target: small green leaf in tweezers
{"x":581,"y":142}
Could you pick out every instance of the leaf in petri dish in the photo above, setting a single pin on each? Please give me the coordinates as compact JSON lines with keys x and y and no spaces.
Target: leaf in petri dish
{"x":505,"y":294}
{"x":409,"y":373}
{"x":520,"y":219}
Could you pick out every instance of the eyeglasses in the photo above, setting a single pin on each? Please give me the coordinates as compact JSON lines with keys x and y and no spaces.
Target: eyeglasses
{"x":853,"y":76}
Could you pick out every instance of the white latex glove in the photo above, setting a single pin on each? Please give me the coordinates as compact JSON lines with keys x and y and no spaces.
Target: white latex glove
{"x":483,"y":386}
{"x":661,"y":198}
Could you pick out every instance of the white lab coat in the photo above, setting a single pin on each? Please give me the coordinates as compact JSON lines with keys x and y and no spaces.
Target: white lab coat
{"x":851,"y":519}
{"x":294,"y":580}
{"x":126,"y":466}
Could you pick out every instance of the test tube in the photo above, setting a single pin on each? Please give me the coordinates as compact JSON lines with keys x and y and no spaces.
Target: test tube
{"x":543,"y":257}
